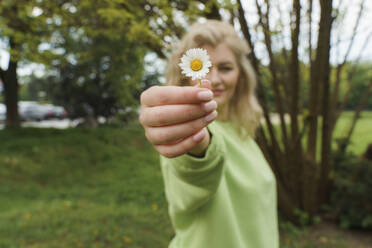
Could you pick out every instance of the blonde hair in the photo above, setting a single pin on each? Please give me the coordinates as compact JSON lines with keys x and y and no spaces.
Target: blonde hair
{"x":244,"y":110}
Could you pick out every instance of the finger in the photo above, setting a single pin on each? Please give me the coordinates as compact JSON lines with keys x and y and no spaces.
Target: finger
{"x":175,"y":133}
{"x":182,"y":147}
{"x":203,"y":83}
{"x":173,"y":114}
{"x":166,"y":95}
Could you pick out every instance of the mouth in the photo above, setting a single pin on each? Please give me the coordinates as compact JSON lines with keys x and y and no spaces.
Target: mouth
{"x":217,"y":92}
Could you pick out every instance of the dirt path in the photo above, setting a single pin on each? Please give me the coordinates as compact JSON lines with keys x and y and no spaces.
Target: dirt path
{"x":331,"y":235}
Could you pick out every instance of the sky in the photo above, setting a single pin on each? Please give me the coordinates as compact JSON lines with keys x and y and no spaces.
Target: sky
{"x":343,"y":32}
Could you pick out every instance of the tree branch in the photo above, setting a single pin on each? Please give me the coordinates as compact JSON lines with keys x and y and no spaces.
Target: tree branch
{"x":247,"y":36}
{"x":334,"y":98}
{"x":264,"y":22}
{"x":260,"y":91}
{"x":294,"y":69}
{"x":284,"y":79}
{"x":309,"y":14}
{"x":319,"y":72}
{"x":358,"y":109}
{"x":338,"y":110}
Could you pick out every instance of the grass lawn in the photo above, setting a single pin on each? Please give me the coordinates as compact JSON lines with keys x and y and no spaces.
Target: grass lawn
{"x":362,"y":135}
{"x":81,"y":188}
{"x":360,"y":139}
{"x":87,"y":188}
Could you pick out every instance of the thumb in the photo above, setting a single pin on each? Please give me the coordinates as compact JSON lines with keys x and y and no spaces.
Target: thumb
{"x":205,"y":83}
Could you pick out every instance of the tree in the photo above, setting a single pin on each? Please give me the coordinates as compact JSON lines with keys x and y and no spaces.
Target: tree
{"x":104,"y":79}
{"x":102,"y":45}
{"x":37,"y":31}
{"x":304,"y":178}
{"x":23,"y":26}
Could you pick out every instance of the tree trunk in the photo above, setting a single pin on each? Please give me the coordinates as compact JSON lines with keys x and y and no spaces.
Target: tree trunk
{"x":294,"y":68}
{"x":10,"y":81}
{"x":324,"y":53}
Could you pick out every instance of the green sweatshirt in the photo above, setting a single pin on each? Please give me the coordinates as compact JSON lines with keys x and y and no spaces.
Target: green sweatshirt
{"x":227,"y":199}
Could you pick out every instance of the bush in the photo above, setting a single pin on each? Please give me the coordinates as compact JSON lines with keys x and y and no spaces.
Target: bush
{"x":351,"y":198}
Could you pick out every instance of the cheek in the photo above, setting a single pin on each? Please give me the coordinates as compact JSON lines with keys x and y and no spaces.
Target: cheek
{"x":231,"y":79}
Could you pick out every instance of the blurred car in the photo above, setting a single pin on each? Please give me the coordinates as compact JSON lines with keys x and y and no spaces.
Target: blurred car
{"x":46,"y":111}
{"x":29,"y":110}
{"x":2,"y":112}
{"x":34,"y":111}
{"x":53,"y":112}
{"x":60,"y":112}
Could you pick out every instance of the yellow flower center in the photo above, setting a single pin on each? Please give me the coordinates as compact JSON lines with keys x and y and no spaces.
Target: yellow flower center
{"x":196,"y":65}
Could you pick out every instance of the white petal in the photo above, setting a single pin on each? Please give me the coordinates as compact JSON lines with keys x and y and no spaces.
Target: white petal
{"x":192,"y":54}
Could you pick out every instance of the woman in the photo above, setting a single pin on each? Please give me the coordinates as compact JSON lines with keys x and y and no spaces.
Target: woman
{"x":220,"y":190}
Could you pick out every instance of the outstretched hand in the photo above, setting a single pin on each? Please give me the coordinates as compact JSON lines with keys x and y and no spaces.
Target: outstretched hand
{"x":175,"y":118}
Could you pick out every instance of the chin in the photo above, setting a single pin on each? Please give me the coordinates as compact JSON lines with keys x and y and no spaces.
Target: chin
{"x":220,"y":100}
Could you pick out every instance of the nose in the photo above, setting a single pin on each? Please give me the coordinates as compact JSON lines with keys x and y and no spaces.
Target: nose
{"x":214,"y":76}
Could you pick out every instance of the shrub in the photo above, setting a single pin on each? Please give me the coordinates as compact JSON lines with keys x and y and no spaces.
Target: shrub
{"x":351,"y":198}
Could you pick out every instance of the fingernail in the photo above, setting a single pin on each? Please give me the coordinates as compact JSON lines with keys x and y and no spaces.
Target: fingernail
{"x":209,"y":106}
{"x":211,"y":116}
{"x":205,"y":95}
{"x":199,"y":136}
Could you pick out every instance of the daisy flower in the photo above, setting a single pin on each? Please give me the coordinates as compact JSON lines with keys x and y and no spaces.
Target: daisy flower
{"x":195,"y":63}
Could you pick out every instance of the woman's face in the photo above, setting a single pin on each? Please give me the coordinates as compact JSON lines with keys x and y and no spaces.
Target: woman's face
{"x":224,"y":74}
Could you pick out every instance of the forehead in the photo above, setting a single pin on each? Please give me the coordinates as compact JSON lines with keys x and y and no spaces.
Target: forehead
{"x":220,"y":53}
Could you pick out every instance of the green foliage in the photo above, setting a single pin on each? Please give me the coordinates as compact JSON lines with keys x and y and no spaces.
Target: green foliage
{"x":288,"y":227}
{"x":23,"y":26}
{"x":351,"y":200}
{"x":355,"y":77}
{"x":32,"y":86}
{"x":93,"y":50}
{"x":104,"y":77}
{"x":359,"y":82}
{"x":305,"y":219}
{"x":97,"y":63}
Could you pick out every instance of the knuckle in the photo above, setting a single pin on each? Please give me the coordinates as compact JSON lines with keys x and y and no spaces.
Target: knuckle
{"x":196,"y":125}
{"x":186,"y":94}
{"x":163,"y":96}
{"x":190,"y":111}
{"x":161,"y":117}
{"x":147,"y":93}
{"x":162,"y":137}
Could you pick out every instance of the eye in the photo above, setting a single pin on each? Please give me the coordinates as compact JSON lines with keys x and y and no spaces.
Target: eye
{"x":225,"y":68}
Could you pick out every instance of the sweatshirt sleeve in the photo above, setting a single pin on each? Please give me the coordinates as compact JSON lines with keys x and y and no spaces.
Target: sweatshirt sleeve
{"x":190,"y":181}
